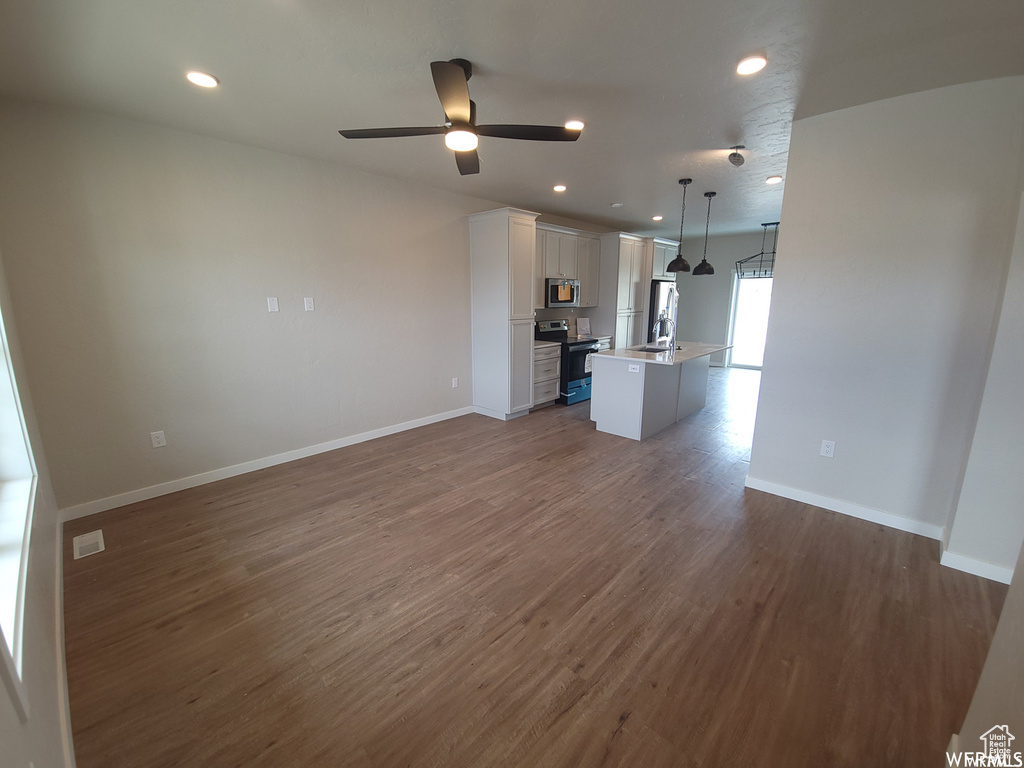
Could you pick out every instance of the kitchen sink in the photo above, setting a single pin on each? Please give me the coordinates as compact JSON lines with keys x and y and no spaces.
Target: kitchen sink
{"x":655,"y":349}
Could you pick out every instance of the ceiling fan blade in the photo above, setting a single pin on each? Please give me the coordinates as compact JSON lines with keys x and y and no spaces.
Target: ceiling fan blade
{"x":452,"y":90}
{"x":389,"y":133}
{"x":528,"y":132}
{"x":468,"y":162}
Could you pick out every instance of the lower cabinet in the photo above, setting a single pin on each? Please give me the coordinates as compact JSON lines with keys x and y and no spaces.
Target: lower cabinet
{"x":547,"y":369}
{"x":629,"y":329}
{"x":521,"y":352}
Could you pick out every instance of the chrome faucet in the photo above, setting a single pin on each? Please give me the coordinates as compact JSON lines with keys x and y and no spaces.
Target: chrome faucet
{"x":671,"y":331}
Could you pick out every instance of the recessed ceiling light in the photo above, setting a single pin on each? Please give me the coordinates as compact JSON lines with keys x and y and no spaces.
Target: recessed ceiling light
{"x":202,"y":79}
{"x":616,"y":205}
{"x":656,"y":218}
{"x":773,"y":180}
{"x":574,"y":125}
{"x":751,"y":64}
{"x":559,"y":187}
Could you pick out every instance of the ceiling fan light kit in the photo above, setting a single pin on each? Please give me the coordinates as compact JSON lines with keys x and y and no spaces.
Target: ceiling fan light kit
{"x":461,"y":133}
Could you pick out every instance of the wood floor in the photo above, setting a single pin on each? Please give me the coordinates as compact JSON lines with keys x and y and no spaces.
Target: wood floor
{"x":531,"y":593}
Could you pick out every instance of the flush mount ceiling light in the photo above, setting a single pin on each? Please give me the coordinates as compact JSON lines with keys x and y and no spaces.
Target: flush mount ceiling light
{"x":559,"y":187}
{"x":657,"y":218}
{"x":773,"y":180}
{"x":704,"y":268}
{"x":202,"y":79}
{"x":616,"y":205}
{"x":679,"y":264}
{"x":575,"y":125}
{"x":755,"y":62}
{"x":736,"y":158}
{"x":461,"y":140}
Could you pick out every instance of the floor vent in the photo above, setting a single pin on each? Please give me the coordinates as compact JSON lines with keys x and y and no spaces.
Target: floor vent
{"x":88,"y":544}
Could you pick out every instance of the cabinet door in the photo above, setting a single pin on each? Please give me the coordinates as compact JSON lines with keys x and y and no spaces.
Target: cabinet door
{"x":522,"y":241}
{"x":568,"y":248}
{"x":624,"y":293}
{"x":636,"y":329}
{"x":661,"y":260}
{"x":539,"y":272}
{"x":636,"y":277}
{"x":623,"y":328}
{"x":589,"y":263}
{"x":520,"y":396}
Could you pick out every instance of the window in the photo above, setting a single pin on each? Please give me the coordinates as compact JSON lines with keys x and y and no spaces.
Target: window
{"x":17,"y":494}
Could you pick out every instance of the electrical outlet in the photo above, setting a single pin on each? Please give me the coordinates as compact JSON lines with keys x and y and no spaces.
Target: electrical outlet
{"x":634,"y":367}
{"x":271,"y":303}
{"x":159,"y":441}
{"x":455,"y":382}
{"x":828,"y":448}
{"x":308,"y":303}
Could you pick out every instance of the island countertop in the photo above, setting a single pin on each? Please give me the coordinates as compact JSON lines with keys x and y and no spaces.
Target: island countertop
{"x":683,"y":351}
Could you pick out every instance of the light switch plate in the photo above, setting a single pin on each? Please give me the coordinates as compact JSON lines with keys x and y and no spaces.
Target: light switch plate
{"x":271,"y":303}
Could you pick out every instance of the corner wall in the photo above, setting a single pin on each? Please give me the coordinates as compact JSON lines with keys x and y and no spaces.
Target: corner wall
{"x":43,"y":738}
{"x":140,"y":260}
{"x":898,"y":221}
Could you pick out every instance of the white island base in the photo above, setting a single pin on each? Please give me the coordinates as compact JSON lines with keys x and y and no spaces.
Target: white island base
{"x":637,"y":394}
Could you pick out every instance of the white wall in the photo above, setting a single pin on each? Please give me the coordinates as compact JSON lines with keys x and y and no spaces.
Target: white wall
{"x":139,"y":261}
{"x":42,"y":739}
{"x":897,"y":228}
{"x":989,"y":522}
{"x":705,"y":301}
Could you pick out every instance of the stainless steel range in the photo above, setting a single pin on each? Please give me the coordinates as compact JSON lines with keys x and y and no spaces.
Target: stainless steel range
{"x":574,"y":385}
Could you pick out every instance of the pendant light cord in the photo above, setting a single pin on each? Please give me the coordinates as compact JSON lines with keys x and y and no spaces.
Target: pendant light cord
{"x":707,"y":228}
{"x":682,"y":218}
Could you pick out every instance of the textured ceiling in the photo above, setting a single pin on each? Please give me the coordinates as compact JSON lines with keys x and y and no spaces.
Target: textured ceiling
{"x":655,"y":82}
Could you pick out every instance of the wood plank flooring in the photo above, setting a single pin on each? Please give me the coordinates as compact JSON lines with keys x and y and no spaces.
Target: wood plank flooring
{"x":530,"y":593}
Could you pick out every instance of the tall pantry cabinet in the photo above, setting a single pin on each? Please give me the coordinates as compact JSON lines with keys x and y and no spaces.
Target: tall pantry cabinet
{"x":502,"y":247}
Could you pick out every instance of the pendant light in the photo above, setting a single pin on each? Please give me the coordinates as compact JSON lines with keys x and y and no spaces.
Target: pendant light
{"x":704,"y":268}
{"x":679,"y":264}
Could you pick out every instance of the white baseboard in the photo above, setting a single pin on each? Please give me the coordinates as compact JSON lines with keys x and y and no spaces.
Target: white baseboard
{"x":142,"y":494}
{"x":977,"y":567}
{"x":848,"y":508}
{"x":498,"y":414}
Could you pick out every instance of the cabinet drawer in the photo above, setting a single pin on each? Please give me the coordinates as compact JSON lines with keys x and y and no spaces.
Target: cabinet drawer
{"x":545,"y":391}
{"x":546,"y":353}
{"x":546,"y":369}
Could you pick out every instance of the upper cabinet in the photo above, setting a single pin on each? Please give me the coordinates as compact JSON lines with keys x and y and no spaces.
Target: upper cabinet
{"x":629,"y":295}
{"x":560,"y":254}
{"x":589,"y":269}
{"x":567,"y":253}
{"x":664,"y":252}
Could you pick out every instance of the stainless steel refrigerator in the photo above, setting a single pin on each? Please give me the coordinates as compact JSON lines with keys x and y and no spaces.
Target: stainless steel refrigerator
{"x":664,"y":297}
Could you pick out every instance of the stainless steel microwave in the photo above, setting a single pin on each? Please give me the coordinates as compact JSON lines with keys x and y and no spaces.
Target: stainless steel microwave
{"x":562,"y":292}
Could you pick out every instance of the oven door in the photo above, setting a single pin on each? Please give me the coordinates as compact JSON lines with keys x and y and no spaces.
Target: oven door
{"x":576,"y":361}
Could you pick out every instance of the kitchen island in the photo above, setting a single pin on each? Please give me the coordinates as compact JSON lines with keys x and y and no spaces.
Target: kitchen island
{"x":637,"y":393}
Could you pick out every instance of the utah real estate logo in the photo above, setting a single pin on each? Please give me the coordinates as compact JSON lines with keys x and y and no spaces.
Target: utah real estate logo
{"x":997,"y":750}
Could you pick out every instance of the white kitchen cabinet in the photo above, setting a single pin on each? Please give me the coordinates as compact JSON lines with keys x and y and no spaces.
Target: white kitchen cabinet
{"x":629,"y":329}
{"x":629,"y":295}
{"x":663,"y":252}
{"x":539,"y":273}
{"x":520,"y":340}
{"x":502,"y":246}
{"x":547,"y":368}
{"x":560,"y":254}
{"x":589,"y":269}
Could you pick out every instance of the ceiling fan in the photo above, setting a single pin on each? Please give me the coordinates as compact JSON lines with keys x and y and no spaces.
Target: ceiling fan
{"x":461,"y":133}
